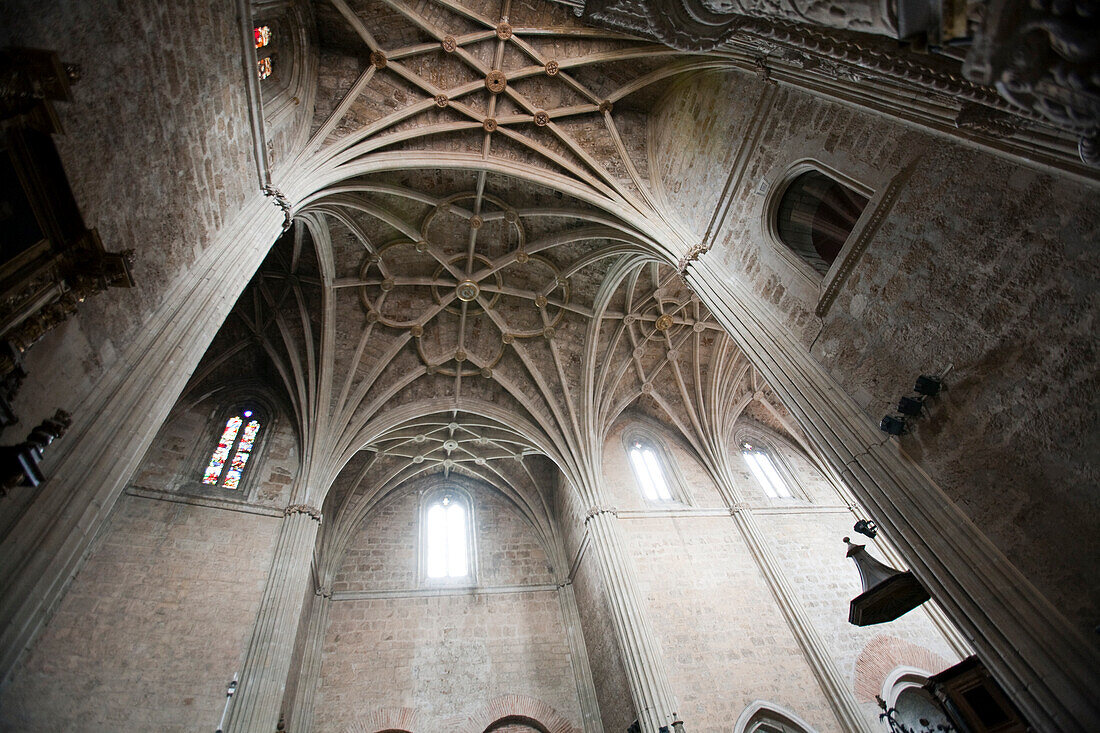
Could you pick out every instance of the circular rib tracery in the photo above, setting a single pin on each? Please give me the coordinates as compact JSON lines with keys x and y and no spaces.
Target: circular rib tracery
{"x":464,"y":292}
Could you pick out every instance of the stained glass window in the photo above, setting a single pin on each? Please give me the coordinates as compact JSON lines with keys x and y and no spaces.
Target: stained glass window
{"x":217,"y":461}
{"x":762,"y":467}
{"x":647,"y":469}
{"x":216,"y":469}
{"x":264,"y":66}
{"x":263,"y":36}
{"x":445,"y":537}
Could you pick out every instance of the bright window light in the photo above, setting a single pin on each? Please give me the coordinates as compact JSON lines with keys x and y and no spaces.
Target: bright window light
{"x":446,"y":539}
{"x":648,"y":470}
{"x":760,"y":463}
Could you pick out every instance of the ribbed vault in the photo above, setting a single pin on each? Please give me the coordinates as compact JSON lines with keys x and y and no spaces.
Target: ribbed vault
{"x":477,"y":240}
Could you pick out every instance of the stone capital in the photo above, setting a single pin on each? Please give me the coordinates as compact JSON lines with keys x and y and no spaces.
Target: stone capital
{"x":312,"y":511}
{"x":597,"y":510}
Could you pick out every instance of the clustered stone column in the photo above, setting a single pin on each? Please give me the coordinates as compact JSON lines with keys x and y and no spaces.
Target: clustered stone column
{"x":1027,"y":644}
{"x":263,"y":680}
{"x":642,"y":658}
{"x":301,"y":714}
{"x":586,"y":689}
{"x":833,"y":684}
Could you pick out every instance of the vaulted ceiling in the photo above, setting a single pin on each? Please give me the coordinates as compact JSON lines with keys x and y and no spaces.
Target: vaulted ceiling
{"x":477,"y":278}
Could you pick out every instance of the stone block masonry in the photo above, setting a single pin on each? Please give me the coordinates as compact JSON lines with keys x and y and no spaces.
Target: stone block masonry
{"x":153,"y":627}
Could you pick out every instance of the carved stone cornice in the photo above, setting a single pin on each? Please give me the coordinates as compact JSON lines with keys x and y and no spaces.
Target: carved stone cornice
{"x":691,"y":256}
{"x":598,"y":510}
{"x":281,"y":201}
{"x":1044,"y":58}
{"x":313,"y":512}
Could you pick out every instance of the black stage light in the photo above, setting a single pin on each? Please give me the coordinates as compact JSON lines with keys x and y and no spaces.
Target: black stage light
{"x":892,"y":425}
{"x":910,"y":406}
{"x":928,"y":385}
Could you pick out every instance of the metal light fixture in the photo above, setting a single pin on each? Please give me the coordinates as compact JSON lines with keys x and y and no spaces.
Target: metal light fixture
{"x":892,"y":425}
{"x":910,"y":406}
{"x":928,"y":385}
{"x":887,"y":592}
{"x":866,"y":527}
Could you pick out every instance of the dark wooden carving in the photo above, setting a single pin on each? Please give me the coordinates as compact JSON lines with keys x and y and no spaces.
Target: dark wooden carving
{"x":19,"y":463}
{"x":1044,"y":58}
{"x":50,"y":261}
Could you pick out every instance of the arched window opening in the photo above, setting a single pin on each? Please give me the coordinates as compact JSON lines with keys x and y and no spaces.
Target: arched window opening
{"x":266,"y":49}
{"x":764,"y":717}
{"x":237,"y":442}
{"x":763,"y":468}
{"x":446,"y":540}
{"x":815,"y":217}
{"x":648,"y":471}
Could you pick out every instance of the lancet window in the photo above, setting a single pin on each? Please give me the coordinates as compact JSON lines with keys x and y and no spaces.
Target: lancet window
{"x":654,"y":473}
{"x":235,"y":446}
{"x":446,"y":537}
{"x":764,"y":469}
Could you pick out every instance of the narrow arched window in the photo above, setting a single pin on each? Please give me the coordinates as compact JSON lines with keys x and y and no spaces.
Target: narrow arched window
{"x":763,"y":468}
{"x":446,"y":540}
{"x":815,"y":217}
{"x":264,"y":51}
{"x":238,"y":439}
{"x":649,"y":471}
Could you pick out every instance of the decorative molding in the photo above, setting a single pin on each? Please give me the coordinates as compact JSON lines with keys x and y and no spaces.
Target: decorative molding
{"x":313,"y":512}
{"x":145,"y":492}
{"x":670,"y":513}
{"x":738,"y":507}
{"x":367,"y":595}
{"x":597,"y":510}
{"x":988,"y":121}
{"x":282,"y":202}
{"x":853,"y":250}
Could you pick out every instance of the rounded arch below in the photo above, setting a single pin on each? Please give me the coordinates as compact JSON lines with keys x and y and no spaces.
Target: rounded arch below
{"x":883,"y":655}
{"x":523,"y":709}
{"x":385,"y":720}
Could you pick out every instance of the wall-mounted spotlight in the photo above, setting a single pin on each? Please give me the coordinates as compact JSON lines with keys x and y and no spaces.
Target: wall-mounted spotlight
{"x":910,"y":406}
{"x":866,"y":527}
{"x":892,"y":425}
{"x":928,"y":385}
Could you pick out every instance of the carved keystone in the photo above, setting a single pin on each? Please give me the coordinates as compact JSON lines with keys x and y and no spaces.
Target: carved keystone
{"x":495,"y":81}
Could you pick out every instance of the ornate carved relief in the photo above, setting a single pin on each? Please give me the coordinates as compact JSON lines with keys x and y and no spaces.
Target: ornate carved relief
{"x":52,"y":261}
{"x":1043,"y":57}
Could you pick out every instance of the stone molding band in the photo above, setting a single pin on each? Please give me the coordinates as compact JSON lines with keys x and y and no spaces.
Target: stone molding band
{"x":312,"y":511}
{"x":597,"y":510}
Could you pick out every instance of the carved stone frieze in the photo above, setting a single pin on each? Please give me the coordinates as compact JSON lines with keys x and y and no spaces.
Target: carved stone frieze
{"x":989,"y":121}
{"x":280,"y":200}
{"x":313,"y":512}
{"x":1043,"y":57}
{"x":701,"y":25}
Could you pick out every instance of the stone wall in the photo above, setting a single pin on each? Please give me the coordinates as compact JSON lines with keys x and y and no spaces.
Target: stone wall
{"x":181,"y":450}
{"x":158,"y":162}
{"x":443,"y":653}
{"x":725,"y":640}
{"x":154,"y":626}
{"x":982,"y":263}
